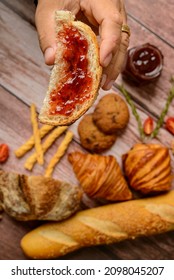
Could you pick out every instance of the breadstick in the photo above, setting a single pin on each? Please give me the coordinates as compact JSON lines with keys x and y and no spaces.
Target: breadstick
{"x":102,"y":225}
{"x":60,"y":152}
{"x":28,"y":145}
{"x":37,"y":139}
{"x":48,"y":142}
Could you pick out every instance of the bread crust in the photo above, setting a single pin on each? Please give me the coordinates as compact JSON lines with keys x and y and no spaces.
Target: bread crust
{"x":38,"y":198}
{"x":102,"y":225}
{"x":65,"y":18}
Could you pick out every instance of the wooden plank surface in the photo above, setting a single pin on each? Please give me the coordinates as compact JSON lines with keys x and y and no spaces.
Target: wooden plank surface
{"x":24,"y":79}
{"x":24,"y":8}
{"x":156,"y":16}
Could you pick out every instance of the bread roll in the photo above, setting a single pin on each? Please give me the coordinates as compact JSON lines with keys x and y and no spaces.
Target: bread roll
{"x":37,"y":198}
{"x":76,"y":75}
{"x":102,"y":225}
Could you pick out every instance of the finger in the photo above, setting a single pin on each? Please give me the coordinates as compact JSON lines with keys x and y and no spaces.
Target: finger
{"x":45,"y":24}
{"x":110,"y":32}
{"x":113,"y":70}
{"x":94,"y":26}
{"x":44,"y":19}
{"x":115,"y":67}
{"x":110,"y":22}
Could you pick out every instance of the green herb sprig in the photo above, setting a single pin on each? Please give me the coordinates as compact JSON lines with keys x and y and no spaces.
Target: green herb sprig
{"x":163,"y":113}
{"x":137,"y":117}
{"x":134,"y":110}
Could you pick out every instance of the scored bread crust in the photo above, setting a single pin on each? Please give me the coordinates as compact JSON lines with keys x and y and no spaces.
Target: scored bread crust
{"x":63,"y":18}
{"x":106,"y":224}
{"x":37,"y":198}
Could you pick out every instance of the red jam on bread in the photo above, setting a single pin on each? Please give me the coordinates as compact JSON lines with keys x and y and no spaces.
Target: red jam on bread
{"x":75,"y":88}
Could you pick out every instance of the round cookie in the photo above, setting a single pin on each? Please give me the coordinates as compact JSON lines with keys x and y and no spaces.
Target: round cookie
{"x":111,"y":113}
{"x":92,"y":138}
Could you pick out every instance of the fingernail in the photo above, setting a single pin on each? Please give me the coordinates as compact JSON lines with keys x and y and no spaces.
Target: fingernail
{"x":109,"y":85}
{"x":104,"y":77}
{"x":107,"y":60}
{"x":48,"y":55}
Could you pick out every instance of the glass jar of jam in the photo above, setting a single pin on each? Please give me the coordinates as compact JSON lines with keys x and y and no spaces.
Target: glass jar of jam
{"x":143,"y":64}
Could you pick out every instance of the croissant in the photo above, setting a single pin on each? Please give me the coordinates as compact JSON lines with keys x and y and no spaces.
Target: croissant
{"x":100,"y":176}
{"x":37,"y":198}
{"x":147,"y":167}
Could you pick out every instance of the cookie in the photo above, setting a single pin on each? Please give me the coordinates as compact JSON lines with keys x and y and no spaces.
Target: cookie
{"x":92,"y":138}
{"x":111,"y":113}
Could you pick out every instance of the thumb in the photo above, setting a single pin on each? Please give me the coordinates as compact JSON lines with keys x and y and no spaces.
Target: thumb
{"x":45,"y":24}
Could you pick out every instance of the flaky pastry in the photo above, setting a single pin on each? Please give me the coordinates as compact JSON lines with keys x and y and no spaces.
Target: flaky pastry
{"x":100,"y":176}
{"x":147,"y":167}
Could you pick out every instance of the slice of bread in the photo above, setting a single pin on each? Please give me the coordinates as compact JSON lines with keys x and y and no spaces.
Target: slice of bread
{"x":76,"y":75}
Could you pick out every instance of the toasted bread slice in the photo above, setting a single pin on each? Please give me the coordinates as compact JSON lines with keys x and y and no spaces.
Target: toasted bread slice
{"x":76,"y":75}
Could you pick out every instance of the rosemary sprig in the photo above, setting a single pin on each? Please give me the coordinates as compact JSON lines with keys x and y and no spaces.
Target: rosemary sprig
{"x":134,"y":110}
{"x":172,"y":79}
{"x":137,"y":117}
{"x":163,"y":113}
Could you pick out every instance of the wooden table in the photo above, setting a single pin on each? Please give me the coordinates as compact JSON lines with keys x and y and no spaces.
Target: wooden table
{"x":24,"y":79}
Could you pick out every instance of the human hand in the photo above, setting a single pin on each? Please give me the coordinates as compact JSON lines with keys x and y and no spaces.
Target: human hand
{"x":107,"y":15}
{"x":45,"y":24}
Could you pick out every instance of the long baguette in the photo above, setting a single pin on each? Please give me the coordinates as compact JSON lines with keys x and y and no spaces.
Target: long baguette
{"x":102,"y":225}
{"x":76,"y":75}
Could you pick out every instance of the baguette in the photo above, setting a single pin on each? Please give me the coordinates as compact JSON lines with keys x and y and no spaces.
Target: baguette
{"x":102,"y":225}
{"x":76,"y":75}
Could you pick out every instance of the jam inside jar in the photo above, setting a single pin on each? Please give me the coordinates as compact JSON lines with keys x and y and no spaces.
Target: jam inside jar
{"x":144,"y":63}
{"x":74,"y":88}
